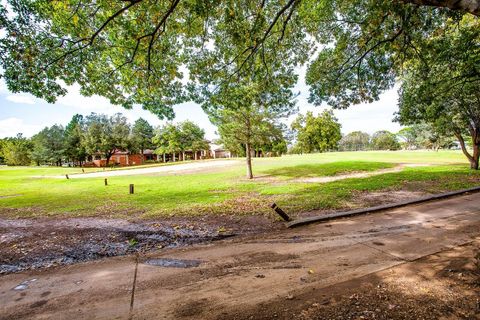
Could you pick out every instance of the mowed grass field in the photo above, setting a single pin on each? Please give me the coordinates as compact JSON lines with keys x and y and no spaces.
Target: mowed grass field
{"x":32,"y":192}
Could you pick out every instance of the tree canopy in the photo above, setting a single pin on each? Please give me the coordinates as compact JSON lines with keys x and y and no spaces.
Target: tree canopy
{"x":247,"y":115}
{"x":166,"y":139}
{"x":150,"y":53}
{"x":48,"y":145}
{"x":160,"y":53}
{"x":74,"y":150}
{"x":16,"y":150}
{"x":385,"y":140}
{"x":192,"y":137}
{"x":445,"y":92}
{"x":424,"y":136}
{"x":106,"y":134}
{"x":141,"y":135}
{"x":355,"y":141}
{"x":316,"y":134}
{"x":175,"y":138}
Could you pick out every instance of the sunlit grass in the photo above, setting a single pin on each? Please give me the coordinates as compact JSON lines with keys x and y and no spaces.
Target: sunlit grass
{"x":225,"y":190}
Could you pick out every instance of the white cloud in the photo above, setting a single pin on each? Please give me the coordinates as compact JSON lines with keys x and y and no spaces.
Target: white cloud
{"x":367,"y":117}
{"x":19,"y":98}
{"x":94,"y":103}
{"x":85,"y":105}
{"x":11,"y":126}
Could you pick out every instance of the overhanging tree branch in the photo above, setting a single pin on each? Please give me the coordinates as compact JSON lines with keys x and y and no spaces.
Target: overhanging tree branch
{"x":92,"y":38}
{"x":153,"y":35}
{"x":471,"y":6}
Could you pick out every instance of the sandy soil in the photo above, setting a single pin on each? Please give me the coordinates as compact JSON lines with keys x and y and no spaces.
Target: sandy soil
{"x":417,"y":262}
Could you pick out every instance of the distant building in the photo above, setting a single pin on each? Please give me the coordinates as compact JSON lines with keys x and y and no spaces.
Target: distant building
{"x":120,"y":158}
{"x":124,"y":158}
{"x":219,"y":151}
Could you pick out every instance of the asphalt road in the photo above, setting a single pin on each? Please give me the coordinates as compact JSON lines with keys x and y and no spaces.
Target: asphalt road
{"x":242,"y":272}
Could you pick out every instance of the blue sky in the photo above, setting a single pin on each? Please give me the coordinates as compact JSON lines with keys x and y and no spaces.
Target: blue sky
{"x":26,"y":114}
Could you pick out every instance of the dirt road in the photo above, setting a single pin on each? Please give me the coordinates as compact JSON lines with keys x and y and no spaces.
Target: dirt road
{"x":391,"y":257}
{"x":168,"y":169}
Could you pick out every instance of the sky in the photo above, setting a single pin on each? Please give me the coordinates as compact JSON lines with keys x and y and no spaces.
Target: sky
{"x":23,"y":113}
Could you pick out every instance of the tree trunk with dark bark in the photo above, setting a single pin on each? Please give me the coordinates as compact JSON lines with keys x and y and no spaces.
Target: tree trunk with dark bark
{"x":472,"y":158}
{"x":475,"y":157}
{"x":249,"y":161}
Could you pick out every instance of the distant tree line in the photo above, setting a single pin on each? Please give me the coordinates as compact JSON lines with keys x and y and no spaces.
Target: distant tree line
{"x":254,"y":130}
{"x":425,"y":136}
{"x":322,"y":133}
{"x":418,"y":136}
{"x":99,"y":134}
{"x":362,"y":141}
{"x":15,"y":150}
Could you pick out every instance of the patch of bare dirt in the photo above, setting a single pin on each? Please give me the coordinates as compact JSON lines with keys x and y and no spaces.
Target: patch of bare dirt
{"x":441,"y":286}
{"x":317,"y":272}
{"x":46,"y":242}
{"x":365,"y":199}
{"x":38,"y":243}
{"x":368,"y":199}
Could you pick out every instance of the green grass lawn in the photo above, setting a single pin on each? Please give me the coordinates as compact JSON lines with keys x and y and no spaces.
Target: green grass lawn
{"x":26,"y":192}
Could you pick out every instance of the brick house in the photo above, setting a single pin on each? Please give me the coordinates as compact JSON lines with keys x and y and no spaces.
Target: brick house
{"x":120,"y":158}
{"x":125,"y":159}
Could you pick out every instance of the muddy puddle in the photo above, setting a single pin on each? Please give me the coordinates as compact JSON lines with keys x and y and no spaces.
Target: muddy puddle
{"x":173,"y":263}
{"x":32,"y":244}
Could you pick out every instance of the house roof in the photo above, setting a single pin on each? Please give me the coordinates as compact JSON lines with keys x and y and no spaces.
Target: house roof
{"x":217,"y":147}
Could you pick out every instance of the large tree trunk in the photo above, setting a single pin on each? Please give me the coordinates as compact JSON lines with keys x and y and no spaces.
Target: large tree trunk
{"x":475,"y":156}
{"x":473,"y":159}
{"x":249,"y":161}
{"x":183,"y":155}
{"x":108,"y":160}
{"x":163,"y":157}
{"x":173,"y":156}
{"x":471,"y":6}
{"x":196,"y":156}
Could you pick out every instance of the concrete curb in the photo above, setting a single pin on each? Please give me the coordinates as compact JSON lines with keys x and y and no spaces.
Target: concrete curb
{"x":346,"y":214}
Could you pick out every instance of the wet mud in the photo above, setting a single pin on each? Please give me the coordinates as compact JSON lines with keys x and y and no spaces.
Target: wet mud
{"x":173,"y":263}
{"x":27,"y":244}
